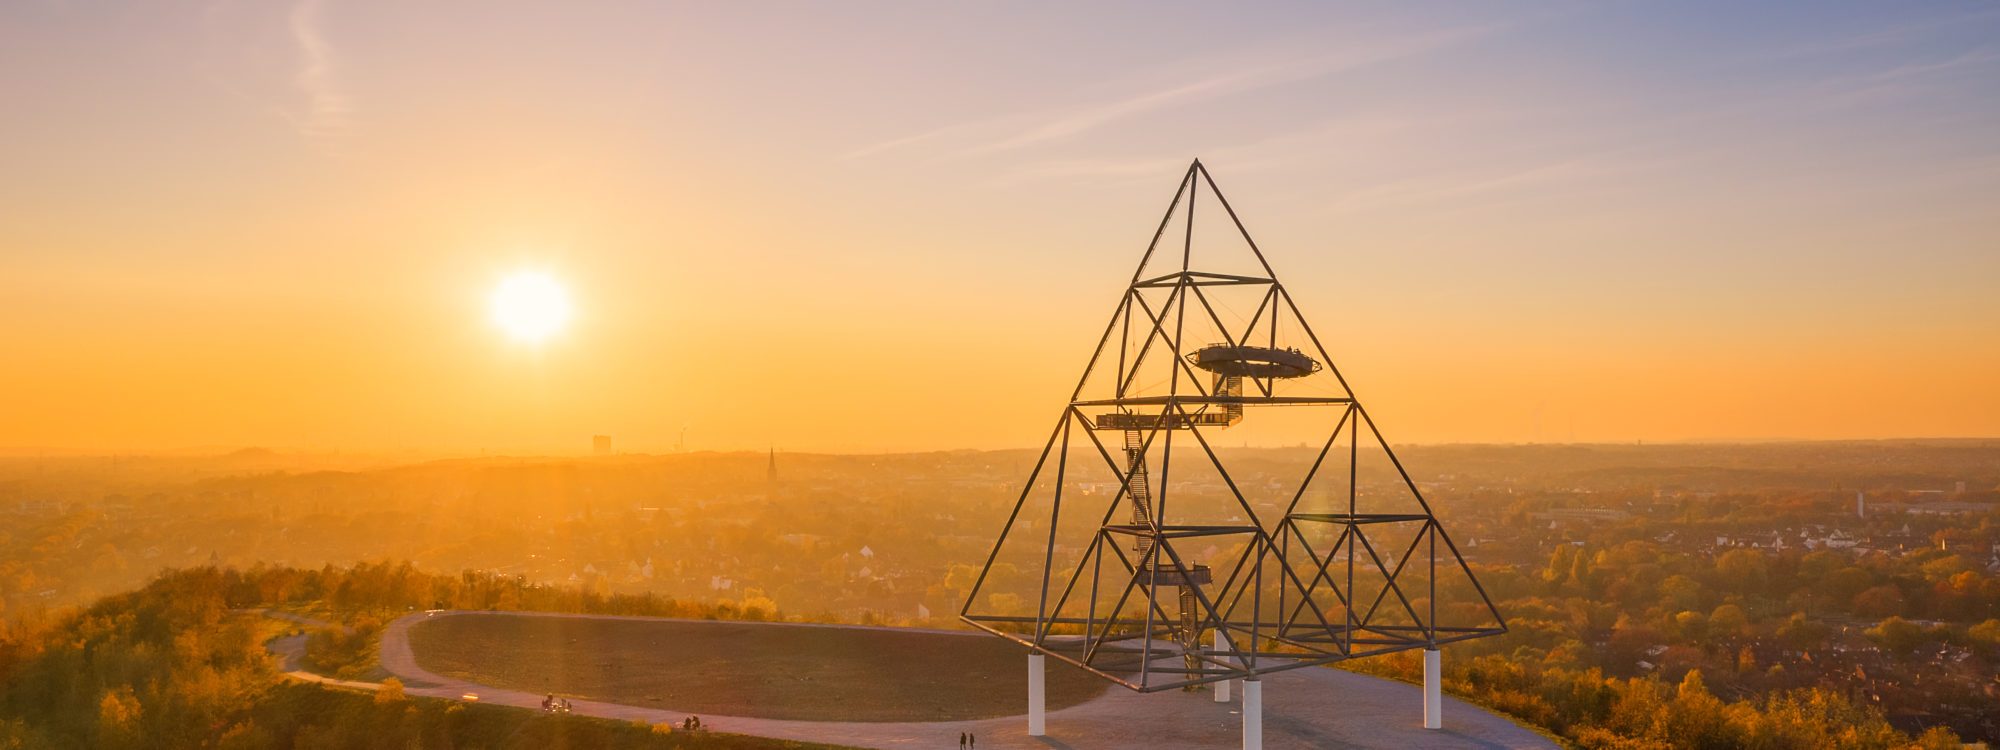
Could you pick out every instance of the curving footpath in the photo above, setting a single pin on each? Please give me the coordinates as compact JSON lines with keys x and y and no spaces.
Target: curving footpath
{"x":1305,"y":708}
{"x":291,"y":653}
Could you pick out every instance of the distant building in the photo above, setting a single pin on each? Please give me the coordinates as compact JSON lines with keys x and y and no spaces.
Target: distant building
{"x":1948,"y":508}
{"x":600,"y":445}
{"x":1581,"y":514}
{"x":1860,"y":504}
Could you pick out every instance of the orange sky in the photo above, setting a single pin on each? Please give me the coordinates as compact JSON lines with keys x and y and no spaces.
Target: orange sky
{"x":824,"y":229}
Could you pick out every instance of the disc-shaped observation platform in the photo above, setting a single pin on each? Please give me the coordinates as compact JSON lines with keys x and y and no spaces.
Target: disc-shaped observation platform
{"x":1253,"y":361}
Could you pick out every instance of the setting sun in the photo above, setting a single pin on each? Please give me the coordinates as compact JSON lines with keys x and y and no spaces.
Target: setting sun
{"x":530,"y":306}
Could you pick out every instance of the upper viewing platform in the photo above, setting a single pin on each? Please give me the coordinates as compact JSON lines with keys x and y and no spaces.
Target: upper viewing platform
{"x":1253,"y":361}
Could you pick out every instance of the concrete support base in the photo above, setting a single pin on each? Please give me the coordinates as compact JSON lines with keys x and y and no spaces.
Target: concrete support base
{"x":1433,"y":693}
{"x":1037,"y":721}
{"x":1222,"y":688}
{"x":1253,"y":714}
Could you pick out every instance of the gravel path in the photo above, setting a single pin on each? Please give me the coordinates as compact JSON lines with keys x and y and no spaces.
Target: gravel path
{"x":291,"y":652}
{"x":1304,"y":708}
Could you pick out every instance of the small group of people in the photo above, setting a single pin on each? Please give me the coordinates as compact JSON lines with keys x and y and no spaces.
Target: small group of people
{"x":552,"y":704}
{"x":968,"y":741}
{"x":691,"y":723}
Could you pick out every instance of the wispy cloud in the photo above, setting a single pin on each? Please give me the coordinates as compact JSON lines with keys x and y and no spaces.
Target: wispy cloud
{"x":1310,"y":146}
{"x":1872,"y":39}
{"x":1021,"y":130}
{"x":327,"y":107}
{"x":1472,"y":187}
{"x":1900,"y":81}
{"x":1969,"y":58}
{"x":1083,"y":119}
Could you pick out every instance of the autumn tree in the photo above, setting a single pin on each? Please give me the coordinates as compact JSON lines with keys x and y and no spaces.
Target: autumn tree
{"x":1802,"y":633}
{"x":390,"y":693}
{"x":1897,"y":634}
{"x":1742,"y":570}
{"x":118,"y":715}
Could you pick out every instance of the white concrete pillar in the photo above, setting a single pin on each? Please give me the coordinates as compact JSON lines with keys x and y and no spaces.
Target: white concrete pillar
{"x":1433,"y":694}
{"x":1037,"y":721}
{"x":1253,"y":714}
{"x":1222,"y":688}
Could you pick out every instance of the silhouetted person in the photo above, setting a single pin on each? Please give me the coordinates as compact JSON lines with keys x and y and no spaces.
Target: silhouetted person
{"x":961,"y":741}
{"x":971,"y":741}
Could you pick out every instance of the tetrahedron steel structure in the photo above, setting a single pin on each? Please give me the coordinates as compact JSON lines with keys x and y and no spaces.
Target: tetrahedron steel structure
{"x":1143,"y":551}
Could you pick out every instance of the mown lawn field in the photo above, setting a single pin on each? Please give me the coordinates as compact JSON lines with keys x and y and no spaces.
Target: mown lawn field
{"x":762,"y":670}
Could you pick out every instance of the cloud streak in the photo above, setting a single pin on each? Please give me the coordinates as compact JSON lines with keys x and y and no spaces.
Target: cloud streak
{"x":1023,"y":130}
{"x":328,"y":109}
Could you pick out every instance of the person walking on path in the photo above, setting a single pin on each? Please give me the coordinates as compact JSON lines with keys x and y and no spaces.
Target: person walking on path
{"x":971,"y":741}
{"x":961,"y":741}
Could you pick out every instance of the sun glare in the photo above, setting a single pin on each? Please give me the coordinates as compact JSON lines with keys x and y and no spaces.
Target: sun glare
{"x":530,"y":306}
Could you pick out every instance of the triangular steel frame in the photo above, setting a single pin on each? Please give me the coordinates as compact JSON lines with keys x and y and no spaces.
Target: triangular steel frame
{"x":1133,"y":644}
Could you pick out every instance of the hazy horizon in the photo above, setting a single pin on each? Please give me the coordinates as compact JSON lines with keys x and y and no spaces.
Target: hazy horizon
{"x":425,"y":455}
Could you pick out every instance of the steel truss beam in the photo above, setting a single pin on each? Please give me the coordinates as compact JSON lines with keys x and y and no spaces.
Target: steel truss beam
{"x":1282,"y":603}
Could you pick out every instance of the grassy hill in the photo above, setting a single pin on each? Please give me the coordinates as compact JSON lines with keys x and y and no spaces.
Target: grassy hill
{"x":181,"y":663}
